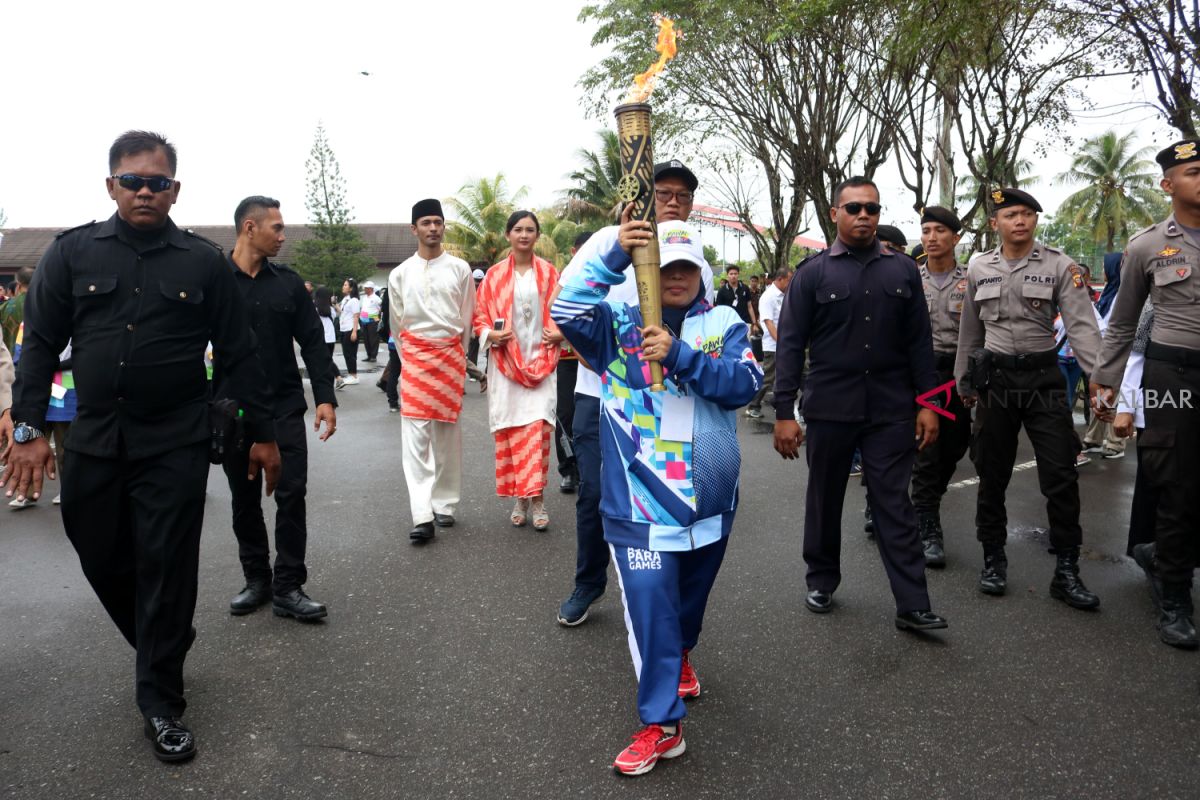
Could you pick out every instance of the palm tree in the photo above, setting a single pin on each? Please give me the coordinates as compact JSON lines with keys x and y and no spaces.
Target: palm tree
{"x":558,"y":236}
{"x":1120,"y":191}
{"x":482,"y":208}
{"x":593,"y":200}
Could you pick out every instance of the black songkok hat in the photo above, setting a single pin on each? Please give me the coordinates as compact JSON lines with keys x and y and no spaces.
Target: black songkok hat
{"x":427,"y":208}
{"x":942,"y":216}
{"x":1179,"y":153}
{"x":890,"y":233}
{"x":1006,"y":198}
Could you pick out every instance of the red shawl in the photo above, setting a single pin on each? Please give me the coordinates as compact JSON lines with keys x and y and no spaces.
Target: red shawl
{"x":494,"y":300}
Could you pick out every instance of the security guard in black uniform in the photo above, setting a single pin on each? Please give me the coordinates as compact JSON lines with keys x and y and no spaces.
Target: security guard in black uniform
{"x":139,"y":299}
{"x":859,"y":307}
{"x":281,"y":312}
{"x":945,"y":283}
{"x":1008,"y":362}
{"x":1163,"y":261}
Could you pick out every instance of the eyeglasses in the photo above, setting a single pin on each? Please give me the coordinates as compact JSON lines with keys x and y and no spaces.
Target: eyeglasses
{"x":854,"y":209}
{"x":665,"y":195}
{"x":134,"y":183}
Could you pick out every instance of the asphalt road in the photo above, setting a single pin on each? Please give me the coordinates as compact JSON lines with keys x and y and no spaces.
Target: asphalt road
{"x":441,"y":672}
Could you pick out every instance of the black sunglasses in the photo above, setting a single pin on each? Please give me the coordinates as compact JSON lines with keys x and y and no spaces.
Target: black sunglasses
{"x":854,"y":209}
{"x":134,"y":183}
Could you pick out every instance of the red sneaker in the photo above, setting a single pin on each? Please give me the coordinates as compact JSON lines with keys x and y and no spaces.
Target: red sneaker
{"x":689,"y":684}
{"x":649,"y":745}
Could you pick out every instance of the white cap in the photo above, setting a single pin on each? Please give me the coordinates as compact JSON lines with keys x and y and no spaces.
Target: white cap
{"x":368,"y":284}
{"x":477,"y":274}
{"x":678,"y":241}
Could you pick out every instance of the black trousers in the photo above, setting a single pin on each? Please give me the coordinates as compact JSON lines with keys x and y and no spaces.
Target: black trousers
{"x":1037,"y":399}
{"x":350,"y":353}
{"x":291,"y":526}
{"x":369,"y":333}
{"x":391,"y":378}
{"x":568,"y":369}
{"x":936,"y":464}
{"x":135,"y":524}
{"x":888,"y":450}
{"x":1143,"y":511}
{"x":1169,"y":452}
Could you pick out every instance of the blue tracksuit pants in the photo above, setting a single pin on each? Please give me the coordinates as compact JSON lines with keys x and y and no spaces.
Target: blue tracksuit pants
{"x":665,"y":594}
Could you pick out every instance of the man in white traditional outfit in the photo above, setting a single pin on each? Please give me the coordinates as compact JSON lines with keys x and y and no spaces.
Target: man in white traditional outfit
{"x":431,"y":299}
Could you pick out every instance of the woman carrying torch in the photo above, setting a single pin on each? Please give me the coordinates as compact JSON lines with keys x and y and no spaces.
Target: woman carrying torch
{"x":670,"y":459}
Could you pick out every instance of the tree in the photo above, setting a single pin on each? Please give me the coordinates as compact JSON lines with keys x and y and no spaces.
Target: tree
{"x":558,"y":235}
{"x":337,"y":250}
{"x":482,"y":208}
{"x":711,"y":255}
{"x":593,"y":200}
{"x":1120,"y":191}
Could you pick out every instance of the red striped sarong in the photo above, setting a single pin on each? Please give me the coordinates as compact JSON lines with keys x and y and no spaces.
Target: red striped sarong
{"x":523,"y":459}
{"x":431,"y":382}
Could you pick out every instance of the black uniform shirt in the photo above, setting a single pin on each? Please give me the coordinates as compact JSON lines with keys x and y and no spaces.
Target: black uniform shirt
{"x":739,"y":298}
{"x":139,"y":308}
{"x":282,"y":311}
{"x":865,"y":323}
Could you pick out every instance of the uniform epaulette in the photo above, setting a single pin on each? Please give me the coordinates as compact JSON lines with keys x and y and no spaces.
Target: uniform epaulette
{"x":61,"y":234}
{"x":1052,"y":248}
{"x":204,"y":239}
{"x":807,"y":259}
{"x":1143,"y":230}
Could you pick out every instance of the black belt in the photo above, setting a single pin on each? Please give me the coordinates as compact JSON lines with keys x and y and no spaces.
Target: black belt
{"x":1175,"y":355}
{"x":943,"y":362}
{"x":1026,"y":361}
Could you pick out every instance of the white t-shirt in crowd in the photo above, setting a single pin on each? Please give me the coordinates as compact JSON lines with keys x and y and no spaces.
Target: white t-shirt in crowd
{"x":350,"y":309}
{"x":371,"y":303}
{"x":769,"y":306}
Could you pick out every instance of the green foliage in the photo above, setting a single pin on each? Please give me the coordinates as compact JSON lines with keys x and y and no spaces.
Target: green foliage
{"x":558,"y":236}
{"x":482,"y":208}
{"x":337,"y":250}
{"x":1120,"y":193}
{"x":592,"y":201}
{"x":711,"y":255}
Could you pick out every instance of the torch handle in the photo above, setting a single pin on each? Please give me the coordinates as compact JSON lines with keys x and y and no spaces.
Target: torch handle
{"x":649,"y":286}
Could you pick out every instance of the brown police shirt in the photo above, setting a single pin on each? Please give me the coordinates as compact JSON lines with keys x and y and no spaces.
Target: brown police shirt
{"x":945,"y":306}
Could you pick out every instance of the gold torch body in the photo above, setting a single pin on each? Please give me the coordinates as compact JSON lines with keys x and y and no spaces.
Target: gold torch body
{"x":637,"y":187}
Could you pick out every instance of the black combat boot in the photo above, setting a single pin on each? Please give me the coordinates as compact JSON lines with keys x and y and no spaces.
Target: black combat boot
{"x":994,"y":578}
{"x":1175,"y":626}
{"x":1144,"y":554}
{"x":1066,"y":585}
{"x":929,"y":524}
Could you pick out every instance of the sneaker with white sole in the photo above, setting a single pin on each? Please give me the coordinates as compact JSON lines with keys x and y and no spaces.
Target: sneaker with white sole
{"x":1110,"y":453}
{"x":649,"y":745}
{"x":574,"y":610}
{"x":350,"y":380}
{"x":689,"y":684}
{"x":18,"y":503}
{"x":57,"y":500}
{"x":1081,"y":459}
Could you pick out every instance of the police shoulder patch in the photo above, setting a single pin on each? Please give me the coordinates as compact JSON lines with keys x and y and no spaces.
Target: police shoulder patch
{"x":61,"y":234}
{"x":204,"y":239}
{"x":1078,"y":279}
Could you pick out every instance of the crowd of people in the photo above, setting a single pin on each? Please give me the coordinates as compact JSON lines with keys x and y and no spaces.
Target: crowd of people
{"x":869,"y":355}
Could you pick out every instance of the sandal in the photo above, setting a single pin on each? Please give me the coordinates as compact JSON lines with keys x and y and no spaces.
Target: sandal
{"x":518,"y":513}
{"x":541,"y":520}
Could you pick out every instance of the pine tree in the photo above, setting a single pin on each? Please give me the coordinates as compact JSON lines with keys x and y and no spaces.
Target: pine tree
{"x":337,"y":250}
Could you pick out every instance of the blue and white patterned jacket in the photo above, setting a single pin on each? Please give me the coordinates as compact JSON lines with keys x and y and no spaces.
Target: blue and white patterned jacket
{"x":659,"y":494}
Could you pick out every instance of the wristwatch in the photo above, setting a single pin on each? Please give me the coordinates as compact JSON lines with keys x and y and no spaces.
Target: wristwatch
{"x":22,"y":433}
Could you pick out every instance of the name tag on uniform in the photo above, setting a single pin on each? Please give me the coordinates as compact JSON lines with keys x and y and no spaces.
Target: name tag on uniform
{"x":678,"y":415}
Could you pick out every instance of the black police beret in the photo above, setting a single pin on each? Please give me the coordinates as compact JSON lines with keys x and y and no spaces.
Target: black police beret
{"x":1005,"y":198}
{"x":677,"y":169}
{"x":942,"y":216}
{"x":427,"y":208}
{"x":890,"y":233}
{"x":1179,"y":153}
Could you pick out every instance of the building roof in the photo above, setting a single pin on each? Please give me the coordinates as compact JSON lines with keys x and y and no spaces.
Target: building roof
{"x":388,"y":243}
{"x":723,"y":218}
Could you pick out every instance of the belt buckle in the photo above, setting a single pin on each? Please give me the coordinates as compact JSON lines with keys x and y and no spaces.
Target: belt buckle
{"x":1021,"y":360}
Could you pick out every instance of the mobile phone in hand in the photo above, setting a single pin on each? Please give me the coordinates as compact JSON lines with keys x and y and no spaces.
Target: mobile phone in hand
{"x":498,"y":324}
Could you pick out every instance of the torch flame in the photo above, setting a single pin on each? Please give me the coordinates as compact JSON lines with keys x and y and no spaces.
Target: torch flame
{"x":665,"y":47}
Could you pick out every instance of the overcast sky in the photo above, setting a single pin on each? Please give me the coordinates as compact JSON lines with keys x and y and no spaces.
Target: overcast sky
{"x":457,"y":90}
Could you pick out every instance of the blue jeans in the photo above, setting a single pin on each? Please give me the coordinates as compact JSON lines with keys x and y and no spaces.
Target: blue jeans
{"x":591,"y":557}
{"x":1072,"y":372}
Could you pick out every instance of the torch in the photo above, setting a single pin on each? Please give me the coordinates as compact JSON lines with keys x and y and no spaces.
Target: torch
{"x":637,"y":183}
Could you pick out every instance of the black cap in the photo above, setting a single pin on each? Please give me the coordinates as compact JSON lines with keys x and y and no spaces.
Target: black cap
{"x":1179,"y":153}
{"x":676,"y":169}
{"x":890,"y":233}
{"x":427,"y":208}
{"x":1005,"y":198}
{"x":918,"y":254}
{"x":942,"y":216}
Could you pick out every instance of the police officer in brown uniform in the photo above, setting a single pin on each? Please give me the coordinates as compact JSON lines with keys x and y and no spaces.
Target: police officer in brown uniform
{"x":1163,"y":261}
{"x":1007,"y":362}
{"x":945,"y":283}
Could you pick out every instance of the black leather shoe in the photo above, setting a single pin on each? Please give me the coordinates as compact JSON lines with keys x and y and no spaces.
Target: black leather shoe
{"x":1066,"y":584}
{"x":819,"y":602}
{"x":929,"y":526}
{"x":868,"y":523}
{"x":252,"y":595}
{"x":994,"y":577}
{"x":421,"y":533}
{"x":171,"y":739}
{"x":1143,"y":554}
{"x":568,"y":484}
{"x":919,"y":621}
{"x":1175,"y":626}
{"x":295,"y":603}
{"x":935,"y":553}
{"x":443,"y":520}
